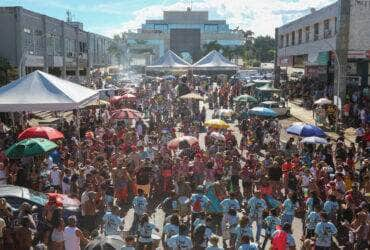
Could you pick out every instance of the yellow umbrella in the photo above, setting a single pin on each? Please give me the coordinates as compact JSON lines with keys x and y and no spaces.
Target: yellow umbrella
{"x":216,"y":123}
{"x":192,"y":96}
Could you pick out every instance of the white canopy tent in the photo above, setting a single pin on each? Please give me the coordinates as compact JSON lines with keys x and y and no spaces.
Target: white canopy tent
{"x":169,"y":62}
{"x":40,"y":91}
{"x":214,"y":60}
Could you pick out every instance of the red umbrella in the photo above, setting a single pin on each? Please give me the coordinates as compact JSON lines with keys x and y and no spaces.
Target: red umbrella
{"x":115,"y":99}
{"x":121,"y":114}
{"x":128,"y":96}
{"x":174,"y":143}
{"x":41,"y":132}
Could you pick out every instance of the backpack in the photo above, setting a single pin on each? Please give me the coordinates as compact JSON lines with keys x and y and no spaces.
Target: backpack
{"x":197,"y":206}
{"x":279,"y":241}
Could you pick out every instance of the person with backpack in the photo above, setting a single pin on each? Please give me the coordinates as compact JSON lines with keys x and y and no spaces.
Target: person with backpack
{"x":324,"y":232}
{"x":199,"y":203}
{"x":282,"y":238}
{"x":247,"y":245}
{"x":244,"y":228}
{"x":180,"y":241}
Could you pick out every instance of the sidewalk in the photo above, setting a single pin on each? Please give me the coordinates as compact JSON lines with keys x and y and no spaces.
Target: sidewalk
{"x":306,"y":116}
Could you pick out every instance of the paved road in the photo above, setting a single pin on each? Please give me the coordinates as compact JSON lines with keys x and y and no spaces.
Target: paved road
{"x":158,"y":216}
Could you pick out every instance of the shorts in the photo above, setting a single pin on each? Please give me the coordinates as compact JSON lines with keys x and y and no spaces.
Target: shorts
{"x":145,"y":188}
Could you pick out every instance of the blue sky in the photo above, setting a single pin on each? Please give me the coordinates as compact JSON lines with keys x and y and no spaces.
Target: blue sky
{"x":109,"y":17}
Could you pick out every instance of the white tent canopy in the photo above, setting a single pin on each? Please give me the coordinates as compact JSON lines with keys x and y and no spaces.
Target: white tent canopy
{"x":40,"y":91}
{"x":170,"y":61}
{"x":214,"y":60}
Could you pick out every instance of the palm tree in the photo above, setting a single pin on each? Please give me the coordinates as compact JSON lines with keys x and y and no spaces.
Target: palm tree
{"x":118,"y":47}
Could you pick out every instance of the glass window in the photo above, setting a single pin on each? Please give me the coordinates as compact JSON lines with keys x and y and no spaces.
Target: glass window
{"x":307,"y":34}
{"x":316,"y":32}
{"x":293,"y":38}
{"x":281,"y":41}
{"x":286,"y":40}
{"x":299,"y":36}
{"x":210,"y":28}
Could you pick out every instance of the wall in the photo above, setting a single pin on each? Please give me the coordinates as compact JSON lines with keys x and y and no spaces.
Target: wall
{"x":8,"y":43}
{"x":359,"y":34}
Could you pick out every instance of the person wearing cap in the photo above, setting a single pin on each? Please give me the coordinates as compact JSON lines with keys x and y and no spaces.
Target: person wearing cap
{"x":256,"y":206}
{"x":73,"y":235}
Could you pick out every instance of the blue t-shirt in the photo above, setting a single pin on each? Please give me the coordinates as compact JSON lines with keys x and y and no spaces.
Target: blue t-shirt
{"x":145,"y":232}
{"x":249,"y":246}
{"x":228,"y":204}
{"x":272,"y":222}
{"x":288,"y":207}
{"x":256,"y":206}
{"x":312,"y":219}
{"x":241,"y":231}
{"x":112,"y":223}
{"x":170,"y":230}
{"x":140,"y":204}
{"x":330,"y":207}
{"x":324,"y":232}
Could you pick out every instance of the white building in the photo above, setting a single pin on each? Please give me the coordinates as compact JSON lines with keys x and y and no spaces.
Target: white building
{"x":314,"y":41}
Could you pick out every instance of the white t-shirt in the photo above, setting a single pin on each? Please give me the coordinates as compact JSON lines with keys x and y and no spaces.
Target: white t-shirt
{"x":55,"y":177}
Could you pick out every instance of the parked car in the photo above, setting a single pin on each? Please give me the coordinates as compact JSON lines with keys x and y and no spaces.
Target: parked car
{"x":16,"y":195}
{"x":279,"y":108}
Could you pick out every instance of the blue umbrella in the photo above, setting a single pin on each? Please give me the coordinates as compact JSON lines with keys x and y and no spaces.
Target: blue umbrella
{"x":261,"y":111}
{"x":305,"y":130}
{"x":314,"y":140}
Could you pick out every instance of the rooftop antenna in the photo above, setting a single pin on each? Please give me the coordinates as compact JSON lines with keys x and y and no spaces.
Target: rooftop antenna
{"x":69,"y":16}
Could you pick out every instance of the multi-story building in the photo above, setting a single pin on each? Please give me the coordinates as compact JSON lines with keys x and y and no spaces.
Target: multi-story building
{"x":184,"y":32}
{"x":33,"y":41}
{"x":330,"y":44}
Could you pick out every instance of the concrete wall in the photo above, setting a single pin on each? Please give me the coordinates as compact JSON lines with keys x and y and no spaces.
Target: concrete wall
{"x":8,"y":46}
{"x":359,"y":34}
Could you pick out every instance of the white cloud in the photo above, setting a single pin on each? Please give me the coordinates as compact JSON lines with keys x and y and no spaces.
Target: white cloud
{"x":260,"y":16}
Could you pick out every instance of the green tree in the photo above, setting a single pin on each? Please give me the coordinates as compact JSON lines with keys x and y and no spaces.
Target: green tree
{"x":117,"y":47}
{"x":264,"y":47}
{"x":213,"y":45}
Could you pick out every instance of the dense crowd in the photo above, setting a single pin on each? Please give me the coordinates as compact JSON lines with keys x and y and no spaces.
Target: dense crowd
{"x":237,"y":187}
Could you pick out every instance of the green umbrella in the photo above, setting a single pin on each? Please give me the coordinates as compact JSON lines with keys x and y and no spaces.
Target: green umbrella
{"x":30,"y":147}
{"x":245,"y":98}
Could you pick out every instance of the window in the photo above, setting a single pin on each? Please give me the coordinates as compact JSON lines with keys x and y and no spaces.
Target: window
{"x":286,"y":40}
{"x":307,"y":34}
{"x":26,"y":30}
{"x":327,"y":30}
{"x":293,"y":38}
{"x":210,"y":28}
{"x":316,"y":32}
{"x":335,"y":25}
{"x":281,"y":41}
{"x":299,"y":36}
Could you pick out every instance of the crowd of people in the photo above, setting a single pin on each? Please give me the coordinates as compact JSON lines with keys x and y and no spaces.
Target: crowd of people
{"x":232,"y":188}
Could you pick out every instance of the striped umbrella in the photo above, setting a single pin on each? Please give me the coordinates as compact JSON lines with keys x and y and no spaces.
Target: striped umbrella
{"x":121,"y":114}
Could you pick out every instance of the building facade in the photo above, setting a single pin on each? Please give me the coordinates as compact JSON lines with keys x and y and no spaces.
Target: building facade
{"x":184,"y":32}
{"x":33,"y":41}
{"x":330,"y":43}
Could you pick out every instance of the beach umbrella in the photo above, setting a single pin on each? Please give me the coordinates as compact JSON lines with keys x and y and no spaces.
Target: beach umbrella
{"x":121,"y":114}
{"x":41,"y":132}
{"x":262,"y":111}
{"x":192,"y":96}
{"x":305,"y":130}
{"x":314,"y":140}
{"x":128,"y":96}
{"x":245,"y":98}
{"x":30,"y":147}
{"x":115,"y":99}
{"x":217,"y":136}
{"x":180,"y":141}
{"x":110,"y":242}
{"x":323,"y":101}
{"x":216,"y":123}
